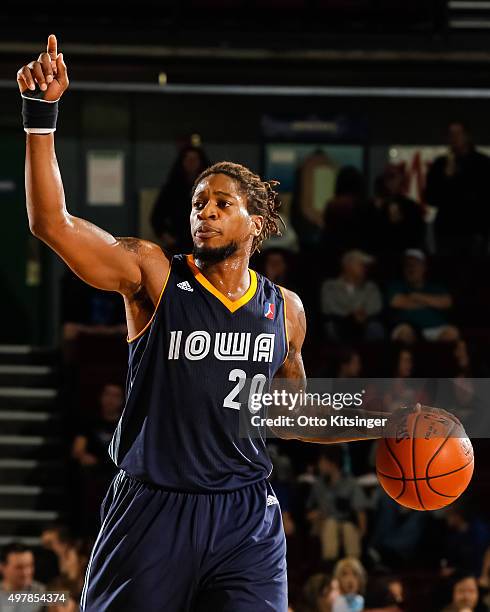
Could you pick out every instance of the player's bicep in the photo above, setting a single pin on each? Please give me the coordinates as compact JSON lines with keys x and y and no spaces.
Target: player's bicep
{"x":95,"y":256}
{"x":291,"y":376}
{"x":293,"y":368}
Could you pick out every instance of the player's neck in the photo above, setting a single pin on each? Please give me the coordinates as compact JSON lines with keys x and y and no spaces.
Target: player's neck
{"x":230,"y":276}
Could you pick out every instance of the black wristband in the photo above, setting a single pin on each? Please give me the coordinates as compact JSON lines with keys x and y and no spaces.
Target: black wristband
{"x":38,"y":115}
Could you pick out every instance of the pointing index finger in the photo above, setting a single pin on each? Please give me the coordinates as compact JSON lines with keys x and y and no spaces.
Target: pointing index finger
{"x":52,"y":47}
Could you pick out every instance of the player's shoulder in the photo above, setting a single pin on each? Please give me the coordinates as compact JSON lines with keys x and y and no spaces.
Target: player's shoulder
{"x":292,"y":299}
{"x":153,"y":257}
{"x":143,"y":248}
{"x":153,"y":261}
{"x":152,"y":249}
{"x":295,"y":318}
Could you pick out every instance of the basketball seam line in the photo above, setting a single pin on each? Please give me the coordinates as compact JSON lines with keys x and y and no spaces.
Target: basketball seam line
{"x":429,"y":464}
{"x":413,"y":462}
{"x":395,"y":458}
{"x":438,"y":450}
{"x":427,"y":477}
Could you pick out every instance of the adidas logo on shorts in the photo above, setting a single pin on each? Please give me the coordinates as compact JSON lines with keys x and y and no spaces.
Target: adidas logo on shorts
{"x":185,"y":285}
{"x":271,"y":500}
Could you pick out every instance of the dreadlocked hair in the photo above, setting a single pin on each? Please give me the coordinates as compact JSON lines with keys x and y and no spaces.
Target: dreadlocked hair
{"x":262,"y":199}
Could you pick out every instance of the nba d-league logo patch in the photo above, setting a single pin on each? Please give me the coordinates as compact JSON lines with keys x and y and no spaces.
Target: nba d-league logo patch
{"x":269,"y":310}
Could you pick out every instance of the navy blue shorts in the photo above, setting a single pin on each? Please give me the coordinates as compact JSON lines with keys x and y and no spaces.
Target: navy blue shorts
{"x":165,"y":551}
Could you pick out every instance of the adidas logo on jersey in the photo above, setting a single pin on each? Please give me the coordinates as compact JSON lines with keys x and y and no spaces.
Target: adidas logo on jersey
{"x":185,"y":285}
{"x":271,"y":500}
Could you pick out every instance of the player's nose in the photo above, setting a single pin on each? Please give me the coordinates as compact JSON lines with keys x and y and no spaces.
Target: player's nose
{"x":210,"y":211}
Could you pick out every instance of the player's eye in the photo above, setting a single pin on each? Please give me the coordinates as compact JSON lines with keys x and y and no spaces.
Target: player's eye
{"x":224,"y":203}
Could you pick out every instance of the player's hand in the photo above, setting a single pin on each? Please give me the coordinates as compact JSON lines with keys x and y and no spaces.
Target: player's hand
{"x":441,"y":413}
{"x":48,"y":72}
{"x":401,"y":413}
{"x":397,"y":421}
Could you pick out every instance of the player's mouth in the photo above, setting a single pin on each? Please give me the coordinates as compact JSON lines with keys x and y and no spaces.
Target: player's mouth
{"x":206,"y":231}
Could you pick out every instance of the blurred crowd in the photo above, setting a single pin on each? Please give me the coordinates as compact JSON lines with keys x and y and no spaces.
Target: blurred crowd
{"x":350,"y":547}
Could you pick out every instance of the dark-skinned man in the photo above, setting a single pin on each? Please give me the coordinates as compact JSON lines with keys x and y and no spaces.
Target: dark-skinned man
{"x":190,"y":522}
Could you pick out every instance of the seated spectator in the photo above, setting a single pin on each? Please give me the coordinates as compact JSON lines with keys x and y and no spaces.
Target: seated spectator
{"x":457,"y":186}
{"x":351,"y":304}
{"x":398,"y":222}
{"x":464,"y":402}
{"x":484,"y":580}
{"x":72,"y":570}
{"x":71,"y":558}
{"x":303,"y":485}
{"x":281,"y":481}
{"x":337,"y":508}
{"x":401,"y":391}
{"x":343,"y":228}
{"x":56,"y":537}
{"x":90,"y":446}
{"x":86,"y":310}
{"x":386,"y":595}
{"x":466,"y":362}
{"x":275,"y":265}
{"x":396,"y":531}
{"x":346,"y":362}
{"x":17,"y":569}
{"x":349,"y":364}
{"x":69,"y":605}
{"x":403,"y":363}
{"x":465,"y":596}
{"x":462,"y":359}
{"x":465,"y":542}
{"x":395,"y":593}
{"x":55,"y":541}
{"x":351,"y":578}
{"x":319,"y":594}
{"x":90,"y":452}
{"x":465,"y":393}
{"x":170,"y":216}
{"x":419,"y":306}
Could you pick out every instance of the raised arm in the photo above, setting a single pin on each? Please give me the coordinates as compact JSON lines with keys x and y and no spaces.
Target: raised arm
{"x":124,"y":265}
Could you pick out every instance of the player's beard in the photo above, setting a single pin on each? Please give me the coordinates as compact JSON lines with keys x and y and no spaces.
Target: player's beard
{"x":210,"y":255}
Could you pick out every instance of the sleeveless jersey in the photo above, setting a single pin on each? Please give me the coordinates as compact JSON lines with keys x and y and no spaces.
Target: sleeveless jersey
{"x":180,"y":425}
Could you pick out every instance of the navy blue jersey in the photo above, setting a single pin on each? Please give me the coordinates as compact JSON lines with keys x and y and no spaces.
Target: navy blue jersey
{"x":180,"y":424}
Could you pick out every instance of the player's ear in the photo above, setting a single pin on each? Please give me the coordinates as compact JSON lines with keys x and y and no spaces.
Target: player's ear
{"x":257,"y":224}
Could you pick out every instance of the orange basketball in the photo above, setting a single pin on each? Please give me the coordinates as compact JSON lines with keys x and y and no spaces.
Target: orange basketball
{"x":428,"y":465}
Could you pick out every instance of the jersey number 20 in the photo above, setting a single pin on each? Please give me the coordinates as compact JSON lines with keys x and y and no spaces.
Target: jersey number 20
{"x":256,"y":387}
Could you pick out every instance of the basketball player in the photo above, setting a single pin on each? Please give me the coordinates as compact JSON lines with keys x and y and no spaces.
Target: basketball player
{"x":190,"y":522}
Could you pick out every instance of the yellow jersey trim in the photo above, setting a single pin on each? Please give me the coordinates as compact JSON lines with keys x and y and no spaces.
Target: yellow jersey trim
{"x":232,"y":305}
{"x":285,"y":323}
{"x":128,"y":339}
